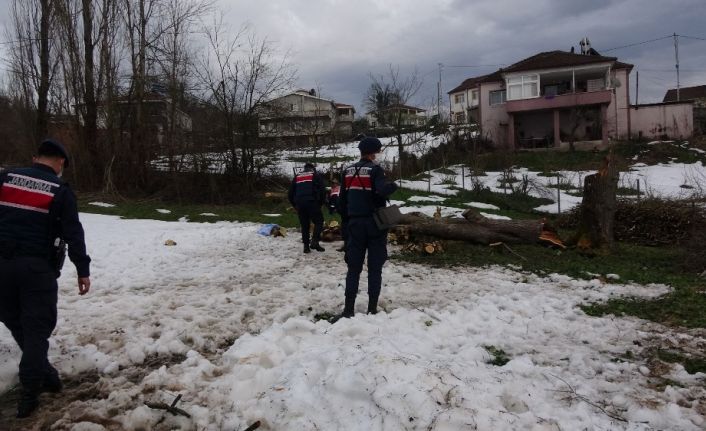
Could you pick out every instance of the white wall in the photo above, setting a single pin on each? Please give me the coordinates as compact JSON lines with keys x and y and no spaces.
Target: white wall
{"x":617,"y":114}
{"x":494,"y":119}
{"x":655,"y":121}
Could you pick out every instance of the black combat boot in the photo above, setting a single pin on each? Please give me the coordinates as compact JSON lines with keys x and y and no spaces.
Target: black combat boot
{"x":349,"y":307}
{"x":348,"y":310}
{"x":316,"y":246}
{"x":52,"y":382}
{"x":29,"y":401}
{"x":372,"y":305}
{"x":306,"y":248}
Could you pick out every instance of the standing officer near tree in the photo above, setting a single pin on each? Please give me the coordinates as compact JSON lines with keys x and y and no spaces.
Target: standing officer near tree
{"x":37,"y":214}
{"x":306,"y":194}
{"x":364,"y":190}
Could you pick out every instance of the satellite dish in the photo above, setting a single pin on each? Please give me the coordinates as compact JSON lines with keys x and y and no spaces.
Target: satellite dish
{"x":615,"y":82}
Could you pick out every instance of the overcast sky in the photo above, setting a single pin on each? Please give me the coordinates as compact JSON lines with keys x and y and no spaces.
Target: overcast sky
{"x":337,"y":43}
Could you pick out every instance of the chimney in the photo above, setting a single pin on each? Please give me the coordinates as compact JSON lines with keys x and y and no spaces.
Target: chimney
{"x":585,"y":46}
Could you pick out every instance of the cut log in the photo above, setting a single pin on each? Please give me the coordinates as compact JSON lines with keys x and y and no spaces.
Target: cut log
{"x":474,"y":228}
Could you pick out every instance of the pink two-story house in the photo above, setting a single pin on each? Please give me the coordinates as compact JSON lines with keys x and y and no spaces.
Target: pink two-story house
{"x":548,"y":100}
{"x":552,"y":99}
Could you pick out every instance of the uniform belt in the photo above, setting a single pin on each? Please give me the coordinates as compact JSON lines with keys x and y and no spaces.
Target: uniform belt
{"x":360,"y":216}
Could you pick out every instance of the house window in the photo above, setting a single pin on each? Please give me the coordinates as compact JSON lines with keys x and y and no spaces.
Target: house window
{"x":523,"y":87}
{"x":459,"y":98}
{"x":474,"y":98}
{"x":497,"y":97}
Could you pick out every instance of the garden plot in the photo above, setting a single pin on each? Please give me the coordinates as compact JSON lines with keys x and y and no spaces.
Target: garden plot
{"x":666,"y":180}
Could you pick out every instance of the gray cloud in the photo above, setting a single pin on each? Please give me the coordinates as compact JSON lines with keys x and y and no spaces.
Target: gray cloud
{"x":336,"y":44}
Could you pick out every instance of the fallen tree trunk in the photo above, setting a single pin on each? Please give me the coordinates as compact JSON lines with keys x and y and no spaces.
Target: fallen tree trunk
{"x":474,"y":228}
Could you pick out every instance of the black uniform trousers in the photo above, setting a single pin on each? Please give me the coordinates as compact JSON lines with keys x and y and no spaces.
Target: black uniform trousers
{"x":28,"y":296}
{"x":364,"y":236}
{"x":310,"y":212}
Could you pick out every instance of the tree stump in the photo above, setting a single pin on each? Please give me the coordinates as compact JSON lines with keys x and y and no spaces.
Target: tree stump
{"x":598,"y":208}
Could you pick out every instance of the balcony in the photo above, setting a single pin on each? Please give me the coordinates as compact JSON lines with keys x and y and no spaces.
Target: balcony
{"x":559,"y":101}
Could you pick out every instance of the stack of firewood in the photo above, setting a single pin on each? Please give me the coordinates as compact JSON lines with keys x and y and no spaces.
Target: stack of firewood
{"x":427,"y":248}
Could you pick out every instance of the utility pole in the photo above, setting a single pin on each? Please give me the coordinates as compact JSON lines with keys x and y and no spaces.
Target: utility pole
{"x":438,"y":94}
{"x":637,"y":86}
{"x":676,"y":53}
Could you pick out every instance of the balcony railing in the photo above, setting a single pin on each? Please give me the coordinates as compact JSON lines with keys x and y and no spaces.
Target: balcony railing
{"x":560,"y":101}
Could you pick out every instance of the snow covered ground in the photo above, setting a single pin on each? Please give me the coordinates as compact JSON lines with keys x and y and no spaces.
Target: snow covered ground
{"x":666,"y":180}
{"x":417,"y":144}
{"x":283,"y":162}
{"x":225,"y":318}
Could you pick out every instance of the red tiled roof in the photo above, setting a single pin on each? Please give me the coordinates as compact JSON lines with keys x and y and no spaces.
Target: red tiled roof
{"x":686,"y":93}
{"x":473,"y":82}
{"x":543,"y":60}
{"x":553,"y":59}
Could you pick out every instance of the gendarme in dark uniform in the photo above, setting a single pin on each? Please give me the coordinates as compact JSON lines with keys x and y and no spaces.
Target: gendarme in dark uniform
{"x":36,"y":209}
{"x":364,"y":190}
{"x":306,"y":194}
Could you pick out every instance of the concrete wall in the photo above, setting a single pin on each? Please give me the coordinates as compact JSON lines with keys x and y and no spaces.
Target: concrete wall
{"x":459,"y":108}
{"x":617,"y":118}
{"x":658,"y":120}
{"x":494,"y":119}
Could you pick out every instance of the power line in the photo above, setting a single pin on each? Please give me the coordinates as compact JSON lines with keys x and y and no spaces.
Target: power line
{"x":638,"y":43}
{"x":672,"y":70}
{"x":691,"y":37}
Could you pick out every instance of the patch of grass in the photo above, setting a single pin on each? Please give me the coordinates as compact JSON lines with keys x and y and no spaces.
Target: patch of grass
{"x":324,"y":315}
{"x":567,"y":186}
{"x":657,"y":153}
{"x":640,"y":264}
{"x":515,"y":206}
{"x":691,"y":364}
{"x":498,"y":356}
{"x":421,"y":177}
{"x":683,"y":307}
{"x":626,"y":151}
{"x":445,"y":171}
{"x":245,"y":212}
{"x":542,"y":161}
{"x":627,"y":191}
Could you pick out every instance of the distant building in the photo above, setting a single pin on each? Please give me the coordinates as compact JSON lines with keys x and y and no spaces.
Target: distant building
{"x":695,"y":95}
{"x":302,"y":117}
{"x":552,"y":98}
{"x":387,"y":117}
{"x":160,"y":115}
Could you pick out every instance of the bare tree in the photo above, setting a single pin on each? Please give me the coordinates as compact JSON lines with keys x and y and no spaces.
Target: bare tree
{"x":32,"y":58}
{"x":240,"y":73}
{"x":387,"y":95}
